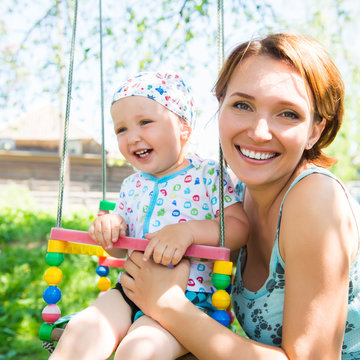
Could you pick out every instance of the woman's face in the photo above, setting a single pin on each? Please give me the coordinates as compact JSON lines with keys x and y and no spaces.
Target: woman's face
{"x":266,"y":120}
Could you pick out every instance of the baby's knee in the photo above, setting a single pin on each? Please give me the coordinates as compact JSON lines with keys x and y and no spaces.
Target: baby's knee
{"x":139,"y":349}
{"x":84,"y":327}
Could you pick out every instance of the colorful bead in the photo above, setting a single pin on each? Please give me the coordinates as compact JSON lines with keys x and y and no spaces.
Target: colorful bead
{"x":51,"y":313}
{"x":221,"y":281}
{"x":102,"y":270}
{"x":53,"y":275}
{"x":232,"y":315}
{"x":107,"y":205}
{"x":54,"y":258}
{"x":221,"y":299}
{"x":223,"y":267}
{"x":52,"y":294}
{"x":103,"y":283}
{"x":222,"y":317}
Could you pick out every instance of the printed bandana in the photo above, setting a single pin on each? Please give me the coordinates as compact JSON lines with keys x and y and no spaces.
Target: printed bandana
{"x":168,"y":89}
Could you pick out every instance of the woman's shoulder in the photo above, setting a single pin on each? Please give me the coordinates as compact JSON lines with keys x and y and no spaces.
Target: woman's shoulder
{"x":319,"y":195}
{"x":317,"y":187}
{"x":316,"y":206}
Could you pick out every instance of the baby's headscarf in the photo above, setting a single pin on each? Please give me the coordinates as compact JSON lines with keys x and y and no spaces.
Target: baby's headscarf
{"x":166,"y":88}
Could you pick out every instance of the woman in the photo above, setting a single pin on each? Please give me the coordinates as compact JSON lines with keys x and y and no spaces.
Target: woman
{"x":297,"y":289}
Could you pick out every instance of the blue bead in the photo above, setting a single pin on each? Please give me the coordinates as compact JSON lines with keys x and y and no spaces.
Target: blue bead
{"x":52,"y":294}
{"x":222,"y":317}
{"x":102,"y":270}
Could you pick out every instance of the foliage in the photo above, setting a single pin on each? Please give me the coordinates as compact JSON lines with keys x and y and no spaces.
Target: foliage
{"x":332,"y":22}
{"x":168,"y":34}
{"x":23,"y":240}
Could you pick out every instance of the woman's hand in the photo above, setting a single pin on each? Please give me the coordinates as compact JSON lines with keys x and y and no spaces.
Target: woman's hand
{"x":152,"y":286}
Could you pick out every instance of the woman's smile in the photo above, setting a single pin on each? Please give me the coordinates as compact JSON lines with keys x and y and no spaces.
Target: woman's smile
{"x":256,"y":155}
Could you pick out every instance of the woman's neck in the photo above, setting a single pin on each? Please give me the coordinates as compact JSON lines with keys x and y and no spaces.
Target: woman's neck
{"x":263,"y":198}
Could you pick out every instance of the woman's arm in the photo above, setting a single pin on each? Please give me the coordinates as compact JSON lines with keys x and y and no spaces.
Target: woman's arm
{"x":317,"y":240}
{"x":163,"y":299}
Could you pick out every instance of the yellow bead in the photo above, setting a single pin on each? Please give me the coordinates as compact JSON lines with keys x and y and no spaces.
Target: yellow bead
{"x":103,"y":283}
{"x":223,"y":267}
{"x":53,"y":275}
{"x":221,"y":299}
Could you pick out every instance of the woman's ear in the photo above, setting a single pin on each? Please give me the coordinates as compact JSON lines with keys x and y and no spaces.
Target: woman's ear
{"x":316,"y":133}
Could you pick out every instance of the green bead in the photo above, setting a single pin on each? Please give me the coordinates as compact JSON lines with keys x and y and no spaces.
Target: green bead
{"x":221,"y":281}
{"x":107,"y":205}
{"x":45,"y":331}
{"x":54,"y":259}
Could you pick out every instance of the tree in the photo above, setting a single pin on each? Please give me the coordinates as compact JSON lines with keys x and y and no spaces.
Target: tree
{"x":160,"y":34}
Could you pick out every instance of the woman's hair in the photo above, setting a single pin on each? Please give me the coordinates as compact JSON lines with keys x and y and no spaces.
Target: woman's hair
{"x":313,"y":63}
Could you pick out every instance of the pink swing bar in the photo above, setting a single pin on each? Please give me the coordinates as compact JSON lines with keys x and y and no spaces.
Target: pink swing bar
{"x":82,"y":237}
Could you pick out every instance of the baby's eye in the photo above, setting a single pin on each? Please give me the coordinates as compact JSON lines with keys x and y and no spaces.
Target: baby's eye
{"x":289,"y":114}
{"x":120,"y":130}
{"x":242,"y":106}
{"x":145,"y":122}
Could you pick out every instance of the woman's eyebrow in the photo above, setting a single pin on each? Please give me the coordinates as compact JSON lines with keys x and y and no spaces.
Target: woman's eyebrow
{"x":250,"y":97}
{"x":244,"y":95}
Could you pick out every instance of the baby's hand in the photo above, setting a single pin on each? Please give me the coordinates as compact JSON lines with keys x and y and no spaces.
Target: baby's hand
{"x":106,"y":229}
{"x":168,"y":245}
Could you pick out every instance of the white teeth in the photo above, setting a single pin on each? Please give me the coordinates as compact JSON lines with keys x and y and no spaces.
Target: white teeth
{"x":257,"y":155}
{"x":142,"y":153}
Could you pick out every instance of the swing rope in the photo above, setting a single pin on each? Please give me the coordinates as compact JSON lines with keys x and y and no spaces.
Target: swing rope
{"x":64,"y":157}
{"x":220,"y":44}
{"x":103,"y":156}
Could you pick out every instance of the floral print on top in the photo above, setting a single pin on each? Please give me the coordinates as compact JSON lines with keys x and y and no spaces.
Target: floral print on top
{"x":148,"y":203}
{"x":260,"y":313}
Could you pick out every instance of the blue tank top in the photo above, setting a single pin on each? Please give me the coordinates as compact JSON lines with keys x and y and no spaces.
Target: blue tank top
{"x":260,"y":313}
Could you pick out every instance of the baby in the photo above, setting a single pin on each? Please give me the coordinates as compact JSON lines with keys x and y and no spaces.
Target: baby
{"x":172,"y":200}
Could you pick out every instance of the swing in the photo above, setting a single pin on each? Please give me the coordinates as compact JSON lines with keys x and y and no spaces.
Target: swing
{"x":67,"y":241}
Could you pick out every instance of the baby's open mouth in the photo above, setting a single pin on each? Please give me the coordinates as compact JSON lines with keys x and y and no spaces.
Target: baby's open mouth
{"x":143,"y":153}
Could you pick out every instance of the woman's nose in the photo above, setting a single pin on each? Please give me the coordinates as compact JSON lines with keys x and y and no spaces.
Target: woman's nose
{"x":260,"y":130}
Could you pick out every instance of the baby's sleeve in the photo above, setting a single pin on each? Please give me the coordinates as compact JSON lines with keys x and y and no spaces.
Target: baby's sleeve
{"x":121,"y":205}
{"x":213,"y":189}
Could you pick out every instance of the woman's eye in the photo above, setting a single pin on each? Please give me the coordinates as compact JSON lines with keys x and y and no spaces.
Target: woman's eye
{"x":289,"y":114}
{"x":242,"y":106}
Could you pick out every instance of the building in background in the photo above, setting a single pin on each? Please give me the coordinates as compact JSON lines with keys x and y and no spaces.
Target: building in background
{"x":29,"y":156}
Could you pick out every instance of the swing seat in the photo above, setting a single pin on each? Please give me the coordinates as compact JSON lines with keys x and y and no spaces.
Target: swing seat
{"x":79,"y":242}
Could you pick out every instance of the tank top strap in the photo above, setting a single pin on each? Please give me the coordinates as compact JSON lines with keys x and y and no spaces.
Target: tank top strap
{"x":307,"y":172}
{"x":276,"y":257}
